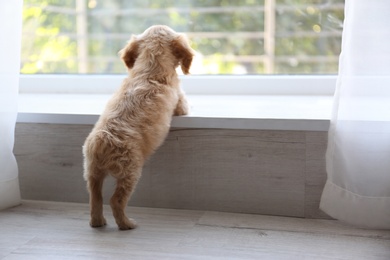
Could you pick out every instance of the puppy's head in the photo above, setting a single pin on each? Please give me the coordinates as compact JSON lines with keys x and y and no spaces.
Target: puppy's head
{"x":161,"y":43}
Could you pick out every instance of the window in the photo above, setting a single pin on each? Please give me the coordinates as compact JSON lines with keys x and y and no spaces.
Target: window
{"x":230,"y":37}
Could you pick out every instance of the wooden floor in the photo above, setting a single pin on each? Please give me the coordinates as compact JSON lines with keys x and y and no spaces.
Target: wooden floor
{"x":52,"y":230}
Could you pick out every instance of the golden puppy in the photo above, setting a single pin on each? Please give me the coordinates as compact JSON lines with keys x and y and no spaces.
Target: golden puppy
{"x":136,"y":119}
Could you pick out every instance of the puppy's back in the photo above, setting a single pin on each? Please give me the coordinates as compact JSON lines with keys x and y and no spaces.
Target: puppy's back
{"x":137,"y":117}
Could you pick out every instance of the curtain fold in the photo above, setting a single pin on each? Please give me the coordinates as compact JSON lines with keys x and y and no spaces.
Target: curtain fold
{"x":10,"y":31}
{"x":358,"y":154}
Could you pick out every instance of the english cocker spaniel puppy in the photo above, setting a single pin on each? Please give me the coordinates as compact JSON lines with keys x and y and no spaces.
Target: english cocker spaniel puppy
{"x":136,"y":119}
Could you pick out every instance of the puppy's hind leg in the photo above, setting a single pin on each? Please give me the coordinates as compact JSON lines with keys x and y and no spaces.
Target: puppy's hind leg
{"x":124,"y":188}
{"x":95,"y":180}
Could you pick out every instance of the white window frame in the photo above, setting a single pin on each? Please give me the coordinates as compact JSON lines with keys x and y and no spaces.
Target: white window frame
{"x":192,"y":85}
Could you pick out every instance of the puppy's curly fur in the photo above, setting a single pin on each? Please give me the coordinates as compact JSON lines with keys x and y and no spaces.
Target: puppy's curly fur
{"x":136,"y":119}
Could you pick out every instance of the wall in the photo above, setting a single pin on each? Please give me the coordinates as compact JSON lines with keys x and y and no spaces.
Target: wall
{"x":246,"y":171}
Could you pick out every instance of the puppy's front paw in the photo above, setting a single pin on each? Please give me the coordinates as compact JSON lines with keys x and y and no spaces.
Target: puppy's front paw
{"x":97,"y":222}
{"x":180,"y":112}
{"x":181,"y":107}
{"x":127,"y":224}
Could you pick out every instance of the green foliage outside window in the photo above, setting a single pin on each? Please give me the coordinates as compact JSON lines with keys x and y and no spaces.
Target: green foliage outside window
{"x":231,"y":37}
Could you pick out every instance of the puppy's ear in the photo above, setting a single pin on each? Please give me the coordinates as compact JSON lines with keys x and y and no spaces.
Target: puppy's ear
{"x":183,"y":52}
{"x":130,"y":52}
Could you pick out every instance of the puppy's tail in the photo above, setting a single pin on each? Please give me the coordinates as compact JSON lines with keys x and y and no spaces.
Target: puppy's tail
{"x":110,"y":152}
{"x":108,"y":138}
{"x":99,"y":145}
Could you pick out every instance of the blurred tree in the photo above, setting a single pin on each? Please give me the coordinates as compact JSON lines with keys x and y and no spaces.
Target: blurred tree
{"x":46,"y":47}
{"x":228,"y":34}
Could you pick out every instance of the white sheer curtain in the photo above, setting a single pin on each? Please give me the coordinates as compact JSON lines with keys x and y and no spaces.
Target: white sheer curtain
{"x":358,"y":156}
{"x":10,"y":40}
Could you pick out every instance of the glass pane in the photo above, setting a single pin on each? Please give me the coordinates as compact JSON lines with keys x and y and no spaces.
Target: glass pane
{"x":229,"y":36}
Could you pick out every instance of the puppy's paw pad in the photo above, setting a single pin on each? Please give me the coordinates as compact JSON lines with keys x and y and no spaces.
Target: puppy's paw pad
{"x":127,"y":224}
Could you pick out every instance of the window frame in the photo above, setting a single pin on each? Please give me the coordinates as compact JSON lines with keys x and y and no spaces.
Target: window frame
{"x":192,"y":84}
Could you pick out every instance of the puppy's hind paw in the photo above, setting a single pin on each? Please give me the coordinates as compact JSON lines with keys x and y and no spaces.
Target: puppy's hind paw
{"x":97,"y":222}
{"x":127,"y":224}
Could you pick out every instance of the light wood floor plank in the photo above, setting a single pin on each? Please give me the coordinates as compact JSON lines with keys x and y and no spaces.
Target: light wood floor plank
{"x":52,"y":230}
